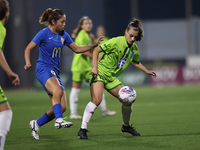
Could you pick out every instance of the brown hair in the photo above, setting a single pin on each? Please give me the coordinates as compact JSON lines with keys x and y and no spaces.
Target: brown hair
{"x":78,"y":28}
{"x":4,"y":8}
{"x":50,"y":15}
{"x":137,"y":26}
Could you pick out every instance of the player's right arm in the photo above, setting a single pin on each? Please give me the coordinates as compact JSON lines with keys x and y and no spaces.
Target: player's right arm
{"x":27,"y":53}
{"x":95,"y":61}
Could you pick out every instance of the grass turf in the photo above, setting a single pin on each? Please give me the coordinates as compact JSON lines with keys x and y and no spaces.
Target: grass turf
{"x":168,"y":118}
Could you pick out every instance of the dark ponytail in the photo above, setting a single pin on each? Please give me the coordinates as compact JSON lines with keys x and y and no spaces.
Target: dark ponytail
{"x":50,"y":15}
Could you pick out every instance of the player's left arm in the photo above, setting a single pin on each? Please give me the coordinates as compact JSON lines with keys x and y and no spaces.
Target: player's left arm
{"x":141,"y":67}
{"x":13,"y":76}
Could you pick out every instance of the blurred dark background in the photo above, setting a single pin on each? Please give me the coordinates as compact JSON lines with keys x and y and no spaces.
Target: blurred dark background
{"x":172,"y":31}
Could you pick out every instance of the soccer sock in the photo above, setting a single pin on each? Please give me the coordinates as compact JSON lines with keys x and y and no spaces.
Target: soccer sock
{"x":89,"y":110}
{"x":5,"y":122}
{"x":73,"y":99}
{"x":43,"y":120}
{"x":103,"y":104}
{"x":2,"y":141}
{"x":57,"y":109}
{"x":126,"y":114}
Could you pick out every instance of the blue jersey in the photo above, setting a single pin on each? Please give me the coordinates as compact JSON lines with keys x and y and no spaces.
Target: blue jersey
{"x":50,"y":46}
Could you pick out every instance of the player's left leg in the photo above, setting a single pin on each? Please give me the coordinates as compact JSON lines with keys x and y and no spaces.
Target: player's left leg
{"x":126,"y":114}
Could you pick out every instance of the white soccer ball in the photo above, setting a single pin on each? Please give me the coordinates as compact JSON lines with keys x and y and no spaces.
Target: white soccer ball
{"x":127,"y":95}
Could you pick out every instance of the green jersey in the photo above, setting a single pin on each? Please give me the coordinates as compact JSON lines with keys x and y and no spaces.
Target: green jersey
{"x":117,"y":56}
{"x":81,"y":62}
{"x":2,"y":35}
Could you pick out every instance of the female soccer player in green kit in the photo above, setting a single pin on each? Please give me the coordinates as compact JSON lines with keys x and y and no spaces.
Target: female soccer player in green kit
{"x":118,"y":52}
{"x":5,"y":110}
{"x":81,"y":67}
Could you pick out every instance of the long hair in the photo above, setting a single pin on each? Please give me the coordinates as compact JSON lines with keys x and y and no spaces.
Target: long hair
{"x":78,"y":28}
{"x":136,"y":25}
{"x":50,"y":15}
{"x":4,"y":8}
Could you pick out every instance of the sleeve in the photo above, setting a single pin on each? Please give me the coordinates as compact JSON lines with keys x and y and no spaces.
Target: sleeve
{"x":2,"y":38}
{"x":39,"y":37}
{"x":108,"y":46}
{"x":136,"y":55}
{"x":68,"y":39}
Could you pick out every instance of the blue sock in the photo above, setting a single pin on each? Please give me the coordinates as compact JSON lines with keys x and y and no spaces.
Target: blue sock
{"x":57,"y":109}
{"x":43,"y":119}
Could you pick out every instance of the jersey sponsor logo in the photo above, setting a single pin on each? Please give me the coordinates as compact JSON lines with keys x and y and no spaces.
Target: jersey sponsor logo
{"x":122,"y":62}
{"x":56,"y":51}
{"x":50,"y":38}
{"x":132,"y":54}
{"x":62,"y":40}
{"x":52,"y":72}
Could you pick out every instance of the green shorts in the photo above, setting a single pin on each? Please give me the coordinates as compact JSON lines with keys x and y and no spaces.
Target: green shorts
{"x":109,"y":84}
{"x":3,"y":98}
{"x":81,"y":76}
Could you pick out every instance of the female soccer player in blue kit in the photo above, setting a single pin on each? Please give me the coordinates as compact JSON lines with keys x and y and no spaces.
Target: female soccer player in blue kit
{"x":51,"y":41}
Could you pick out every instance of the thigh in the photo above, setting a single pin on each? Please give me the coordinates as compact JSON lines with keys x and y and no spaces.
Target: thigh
{"x":96,"y":90}
{"x":113,"y":87}
{"x":52,"y":85}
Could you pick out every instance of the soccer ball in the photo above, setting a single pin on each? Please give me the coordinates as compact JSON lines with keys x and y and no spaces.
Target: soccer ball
{"x":127,"y":95}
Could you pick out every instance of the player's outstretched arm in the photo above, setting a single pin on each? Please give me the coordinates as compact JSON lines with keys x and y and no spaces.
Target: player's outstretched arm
{"x":82,"y":49}
{"x":13,"y":76}
{"x":141,"y":67}
{"x":27,"y":54}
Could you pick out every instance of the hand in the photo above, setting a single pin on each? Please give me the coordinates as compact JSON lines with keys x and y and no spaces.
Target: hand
{"x":98,"y":41}
{"x":27,"y":66}
{"x":151,"y":72}
{"x":14,"y":78}
{"x":94,"y":72}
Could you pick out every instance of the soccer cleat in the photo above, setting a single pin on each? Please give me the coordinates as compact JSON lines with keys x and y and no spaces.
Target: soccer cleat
{"x":63,"y":123}
{"x":130,"y":130}
{"x":83,"y":133}
{"x":75,"y":116}
{"x":108,"y":113}
{"x":35,"y":129}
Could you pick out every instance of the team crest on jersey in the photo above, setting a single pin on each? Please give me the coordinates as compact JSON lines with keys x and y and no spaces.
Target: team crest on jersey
{"x":132,"y":54}
{"x":62,"y":40}
{"x":53,"y":72}
{"x":122,"y":62}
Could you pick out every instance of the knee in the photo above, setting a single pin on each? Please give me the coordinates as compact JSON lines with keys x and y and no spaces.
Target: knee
{"x":58,"y":92}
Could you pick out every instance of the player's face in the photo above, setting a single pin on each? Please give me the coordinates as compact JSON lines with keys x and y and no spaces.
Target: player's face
{"x":60,"y":24}
{"x":100,"y":32}
{"x":131,"y":36}
{"x":87,"y":25}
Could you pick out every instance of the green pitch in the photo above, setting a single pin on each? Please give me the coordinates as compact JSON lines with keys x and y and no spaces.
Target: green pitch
{"x":168,"y":118}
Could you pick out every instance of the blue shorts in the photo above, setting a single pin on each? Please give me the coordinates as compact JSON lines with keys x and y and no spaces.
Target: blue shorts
{"x":44,"y":72}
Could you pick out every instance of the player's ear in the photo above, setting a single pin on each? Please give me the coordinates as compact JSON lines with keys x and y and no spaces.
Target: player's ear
{"x":7,"y":14}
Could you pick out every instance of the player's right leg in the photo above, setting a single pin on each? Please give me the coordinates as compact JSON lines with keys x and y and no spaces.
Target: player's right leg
{"x":96,"y":93}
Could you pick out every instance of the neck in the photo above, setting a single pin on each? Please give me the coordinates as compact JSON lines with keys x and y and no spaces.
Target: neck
{"x":3,"y":21}
{"x":52,"y":29}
